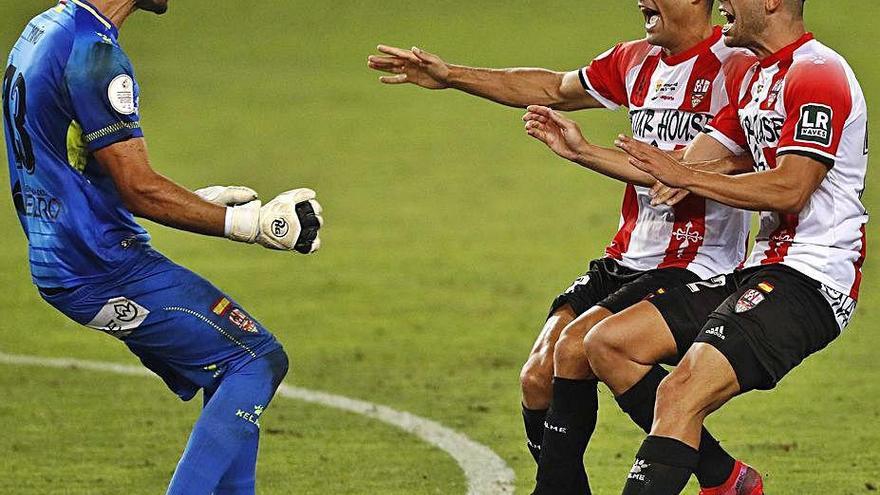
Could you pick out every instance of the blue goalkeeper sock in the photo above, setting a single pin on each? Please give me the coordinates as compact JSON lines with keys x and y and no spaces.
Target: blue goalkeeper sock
{"x":220,"y":457}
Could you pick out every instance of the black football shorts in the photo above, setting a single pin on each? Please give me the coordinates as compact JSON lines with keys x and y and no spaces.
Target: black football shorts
{"x":765,"y":320}
{"x":615,"y":287}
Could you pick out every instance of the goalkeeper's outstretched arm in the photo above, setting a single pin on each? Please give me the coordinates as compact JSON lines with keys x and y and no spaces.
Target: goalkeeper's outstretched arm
{"x":150,"y":195}
{"x":517,"y":87}
{"x":289,"y":222}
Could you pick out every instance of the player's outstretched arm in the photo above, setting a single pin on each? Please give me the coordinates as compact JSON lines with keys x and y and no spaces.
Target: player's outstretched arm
{"x":564,"y":137}
{"x":150,"y":195}
{"x":784,"y":189}
{"x":517,"y":87}
{"x":289,"y":222}
{"x":707,"y":154}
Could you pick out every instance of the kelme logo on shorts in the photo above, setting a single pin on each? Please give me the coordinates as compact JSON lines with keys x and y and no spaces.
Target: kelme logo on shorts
{"x":814,"y":125}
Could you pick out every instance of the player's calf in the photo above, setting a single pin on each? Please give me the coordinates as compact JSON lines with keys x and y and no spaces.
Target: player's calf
{"x":220,"y":456}
{"x":702,"y":382}
{"x":537,"y":375}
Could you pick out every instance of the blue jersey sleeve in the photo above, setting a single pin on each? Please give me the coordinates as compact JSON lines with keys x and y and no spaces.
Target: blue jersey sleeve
{"x":103,"y":93}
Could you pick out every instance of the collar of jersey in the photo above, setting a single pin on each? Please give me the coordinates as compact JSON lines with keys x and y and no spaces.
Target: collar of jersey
{"x":694,"y":50}
{"x":787,"y":52}
{"x":84,"y":4}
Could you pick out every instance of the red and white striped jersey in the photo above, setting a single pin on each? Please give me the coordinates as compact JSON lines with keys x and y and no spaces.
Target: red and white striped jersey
{"x":805,"y":100}
{"x":670,"y":100}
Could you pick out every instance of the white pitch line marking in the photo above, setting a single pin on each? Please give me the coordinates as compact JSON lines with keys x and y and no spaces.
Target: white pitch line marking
{"x":485,"y":472}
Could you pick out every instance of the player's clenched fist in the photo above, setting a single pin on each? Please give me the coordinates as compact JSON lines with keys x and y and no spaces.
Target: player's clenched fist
{"x":290,"y":222}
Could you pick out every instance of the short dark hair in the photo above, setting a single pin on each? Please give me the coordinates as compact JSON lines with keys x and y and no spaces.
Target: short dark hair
{"x":710,"y":4}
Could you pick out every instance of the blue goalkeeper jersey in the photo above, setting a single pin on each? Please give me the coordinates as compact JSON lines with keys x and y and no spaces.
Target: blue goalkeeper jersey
{"x":69,"y":90}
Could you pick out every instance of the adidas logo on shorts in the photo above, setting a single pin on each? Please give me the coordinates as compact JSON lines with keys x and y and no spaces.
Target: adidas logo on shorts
{"x":716,"y":331}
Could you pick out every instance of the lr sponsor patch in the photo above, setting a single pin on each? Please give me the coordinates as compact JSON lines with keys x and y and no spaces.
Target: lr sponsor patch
{"x":814,"y":124}
{"x":119,"y":317}
{"x":749,"y":300}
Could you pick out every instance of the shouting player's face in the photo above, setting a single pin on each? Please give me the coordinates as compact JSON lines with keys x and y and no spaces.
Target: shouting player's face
{"x":665,"y":20}
{"x":157,"y":6}
{"x":746,"y":20}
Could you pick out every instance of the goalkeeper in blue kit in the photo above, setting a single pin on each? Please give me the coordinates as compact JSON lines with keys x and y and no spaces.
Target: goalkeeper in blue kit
{"x":79,"y":173}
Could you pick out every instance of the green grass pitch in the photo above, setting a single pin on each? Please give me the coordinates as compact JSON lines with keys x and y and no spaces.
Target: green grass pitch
{"x":448,"y":234}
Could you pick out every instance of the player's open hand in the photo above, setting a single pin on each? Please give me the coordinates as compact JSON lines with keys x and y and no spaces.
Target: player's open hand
{"x":414,"y":66}
{"x":560,"y":134}
{"x":661,"y":194}
{"x":658,"y":163}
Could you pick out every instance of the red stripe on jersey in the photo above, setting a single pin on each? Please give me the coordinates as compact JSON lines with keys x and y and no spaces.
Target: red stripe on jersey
{"x":688,"y":233}
{"x":607,"y":73}
{"x":775,"y":88}
{"x":854,"y":292}
{"x":742,"y":263}
{"x":642,"y":84}
{"x":630,"y":213}
{"x":747,"y":97}
{"x":702,"y":83}
{"x":781,"y":239}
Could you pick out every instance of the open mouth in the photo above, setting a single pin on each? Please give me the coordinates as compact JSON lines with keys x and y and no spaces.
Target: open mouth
{"x":731,"y":19}
{"x":652,"y":17}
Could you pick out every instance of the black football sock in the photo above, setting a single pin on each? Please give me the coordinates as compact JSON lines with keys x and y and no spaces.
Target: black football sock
{"x":534,"y":421}
{"x":569,"y":425}
{"x":715,"y":463}
{"x":663,"y":467}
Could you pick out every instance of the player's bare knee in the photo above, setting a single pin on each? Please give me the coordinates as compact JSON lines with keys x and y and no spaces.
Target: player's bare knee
{"x":569,"y":352}
{"x":681,"y":394}
{"x":602,"y":350}
{"x":535,"y":380}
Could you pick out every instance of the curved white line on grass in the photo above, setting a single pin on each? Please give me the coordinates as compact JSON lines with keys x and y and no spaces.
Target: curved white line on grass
{"x":486,"y":473}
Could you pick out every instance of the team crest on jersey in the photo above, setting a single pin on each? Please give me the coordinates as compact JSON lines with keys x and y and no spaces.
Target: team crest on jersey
{"x":242,"y":321}
{"x":749,"y":300}
{"x":774,"y":94}
{"x":814,"y":124}
{"x":701,"y":89}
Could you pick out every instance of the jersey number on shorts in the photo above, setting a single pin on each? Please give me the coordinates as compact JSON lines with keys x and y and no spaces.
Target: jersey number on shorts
{"x":14,"y":115}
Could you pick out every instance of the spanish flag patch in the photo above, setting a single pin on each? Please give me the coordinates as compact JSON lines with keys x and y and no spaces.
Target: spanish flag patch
{"x":766,"y":287}
{"x":221,"y":307}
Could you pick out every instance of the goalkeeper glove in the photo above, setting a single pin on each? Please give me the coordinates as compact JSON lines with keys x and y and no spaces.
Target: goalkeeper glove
{"x":227,"y":195}
{"x":290,"y":222}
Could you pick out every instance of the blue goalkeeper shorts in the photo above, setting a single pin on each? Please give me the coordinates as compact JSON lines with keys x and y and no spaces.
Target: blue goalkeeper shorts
{"x":181,"y":327}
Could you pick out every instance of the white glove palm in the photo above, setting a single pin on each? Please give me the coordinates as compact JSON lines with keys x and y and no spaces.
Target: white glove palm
{"x":290,"y":222}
